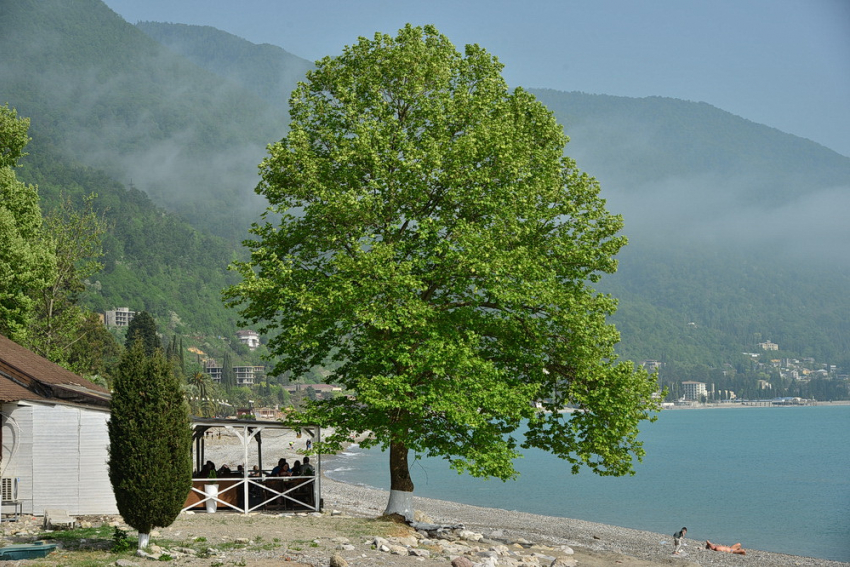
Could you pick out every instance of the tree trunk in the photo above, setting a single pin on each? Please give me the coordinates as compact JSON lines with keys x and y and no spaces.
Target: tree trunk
{"x":401,"y":485}
{"x":144,"y":541}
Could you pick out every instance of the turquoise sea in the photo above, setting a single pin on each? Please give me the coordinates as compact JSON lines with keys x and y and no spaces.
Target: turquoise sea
{"x":772,"y":478}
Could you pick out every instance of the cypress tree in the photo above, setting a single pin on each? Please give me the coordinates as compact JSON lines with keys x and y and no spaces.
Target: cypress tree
{"x":150,"y":442}
{"x":228,"y":378}
{"x":143,"y":328}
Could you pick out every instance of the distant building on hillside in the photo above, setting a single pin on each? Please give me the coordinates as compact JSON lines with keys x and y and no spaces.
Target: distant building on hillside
{"x":249,"y":337}
{"x":119,"y":317}
{"x":323,"y":391}
{"x":767,"y":345}
{"x":213,"y":368}
{"x":651,"y":365}
{"x":694,"y":391}
{"x":246,"y":375}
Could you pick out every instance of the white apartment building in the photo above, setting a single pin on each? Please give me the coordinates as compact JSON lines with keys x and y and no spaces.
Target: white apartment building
{"x":120,"y":317}
{"x":694,"y":391}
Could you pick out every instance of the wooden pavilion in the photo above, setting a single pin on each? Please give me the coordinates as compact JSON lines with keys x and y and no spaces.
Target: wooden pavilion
{"x":251,"y":490}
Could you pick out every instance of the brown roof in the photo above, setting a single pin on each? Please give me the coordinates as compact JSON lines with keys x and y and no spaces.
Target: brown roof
{"x":25,"y":375}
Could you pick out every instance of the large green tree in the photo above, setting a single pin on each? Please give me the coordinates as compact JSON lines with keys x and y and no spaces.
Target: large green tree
{"x":27,"y":255}
{"x":435,"y":243}
{"x":150,"y":441}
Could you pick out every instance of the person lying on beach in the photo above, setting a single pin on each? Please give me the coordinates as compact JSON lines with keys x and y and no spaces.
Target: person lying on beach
{"x":728,"y":549}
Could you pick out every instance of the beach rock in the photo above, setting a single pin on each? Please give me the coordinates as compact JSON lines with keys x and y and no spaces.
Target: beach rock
{"x":564,"y":562}
{"x":409,"y":541}
{"x":338,"y":561}
{"x":420,"y":517}
{"x":469,"y":535}
{"x":462,"y":561}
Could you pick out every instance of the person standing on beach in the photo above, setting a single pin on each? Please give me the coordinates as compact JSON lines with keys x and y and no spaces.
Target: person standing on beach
{"x":678,"y":540}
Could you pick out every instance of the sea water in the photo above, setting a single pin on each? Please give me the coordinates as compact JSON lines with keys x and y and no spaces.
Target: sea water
{"x":771,"y":478}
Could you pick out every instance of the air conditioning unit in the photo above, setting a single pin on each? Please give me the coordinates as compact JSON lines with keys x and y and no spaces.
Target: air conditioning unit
{"x":8,"y":489}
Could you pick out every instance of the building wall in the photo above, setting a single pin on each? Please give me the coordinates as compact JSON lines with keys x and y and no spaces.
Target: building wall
{"x":120,"y":317}
{"x":60,"y":457}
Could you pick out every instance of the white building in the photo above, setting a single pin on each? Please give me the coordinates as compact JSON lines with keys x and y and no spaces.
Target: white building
{"x":249,"y":337}
{"x":694,"y":391}
{"x":119,"y":317}
{"x":54,"y":437}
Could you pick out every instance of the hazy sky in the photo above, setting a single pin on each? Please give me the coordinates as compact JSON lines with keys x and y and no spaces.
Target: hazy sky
{"x":783,"y":63}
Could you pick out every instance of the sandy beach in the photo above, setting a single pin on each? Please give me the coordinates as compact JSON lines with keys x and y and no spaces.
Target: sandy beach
{"x":596,"y":545}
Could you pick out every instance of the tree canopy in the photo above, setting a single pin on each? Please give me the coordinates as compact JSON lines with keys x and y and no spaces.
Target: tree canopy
{"x":436,"y":248}
{"x":142,"y":328}
{"x":27,"y":255}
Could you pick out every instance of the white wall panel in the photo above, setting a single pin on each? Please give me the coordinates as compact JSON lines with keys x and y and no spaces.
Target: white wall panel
{"x":96,"y":496}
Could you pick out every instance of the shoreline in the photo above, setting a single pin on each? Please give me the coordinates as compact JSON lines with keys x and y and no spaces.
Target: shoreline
{"x":581,"y":535}
{"x":584,"y":536}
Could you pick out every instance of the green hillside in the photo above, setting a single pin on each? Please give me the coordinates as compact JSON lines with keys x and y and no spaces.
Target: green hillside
{"x":153,"y":260}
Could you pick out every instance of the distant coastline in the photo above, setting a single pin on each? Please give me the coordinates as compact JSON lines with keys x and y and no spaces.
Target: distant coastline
{"x":752,"y":404}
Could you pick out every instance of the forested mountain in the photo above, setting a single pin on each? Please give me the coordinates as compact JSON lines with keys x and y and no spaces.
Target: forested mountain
{"x":153,"y":260}
{"x":736,"y":230}
{"x":266,"y":70}
{"x":107,"y":95}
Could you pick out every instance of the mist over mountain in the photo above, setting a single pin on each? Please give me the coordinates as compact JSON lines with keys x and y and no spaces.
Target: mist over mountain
{"x":737,"y":231}
{"x":268,"y":71}
{"x":696,"y":174}
{"x":107,"y":95}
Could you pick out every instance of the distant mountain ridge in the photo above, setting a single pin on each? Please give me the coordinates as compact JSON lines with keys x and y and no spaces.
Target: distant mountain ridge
{"x":734,"y":227}
{"x":268,"y":71}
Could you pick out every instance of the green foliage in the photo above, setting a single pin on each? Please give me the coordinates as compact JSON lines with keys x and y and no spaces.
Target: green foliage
{"x":178,"y":131}
{"x":442,"y":261}
{"x":142,"y":329}
{"x":75,"y":234}
{"x":120,"y":542}
{"x":27,"y":255}
{"x":150,"y":463}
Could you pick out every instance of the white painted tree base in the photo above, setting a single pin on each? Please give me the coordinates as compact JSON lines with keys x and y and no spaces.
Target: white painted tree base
{"x":401,"y":502}
{"x":144,"y":541}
